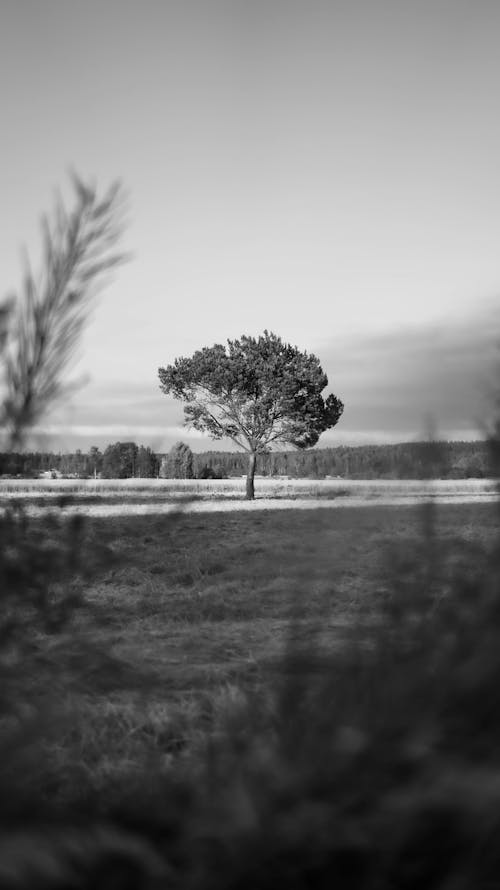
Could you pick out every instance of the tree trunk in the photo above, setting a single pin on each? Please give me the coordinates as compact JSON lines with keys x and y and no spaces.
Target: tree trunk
{"x":252,"y":460}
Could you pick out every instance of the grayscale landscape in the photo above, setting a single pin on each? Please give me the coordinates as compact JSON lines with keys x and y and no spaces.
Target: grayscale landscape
{"x":249,"y":445}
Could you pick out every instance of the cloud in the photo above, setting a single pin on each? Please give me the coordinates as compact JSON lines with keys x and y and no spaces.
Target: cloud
{"x":392,"y":384}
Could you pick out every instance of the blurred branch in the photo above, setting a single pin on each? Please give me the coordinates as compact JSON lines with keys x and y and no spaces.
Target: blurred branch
{"x":39,"y":328}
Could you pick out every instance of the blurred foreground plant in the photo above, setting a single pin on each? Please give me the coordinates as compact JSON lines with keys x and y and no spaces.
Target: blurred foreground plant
{"x":40,"y":328}
{"x":39,"y":331}
{"x":46,"y":649}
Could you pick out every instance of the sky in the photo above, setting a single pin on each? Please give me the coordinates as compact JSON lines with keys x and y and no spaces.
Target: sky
{"x":325,"y":170}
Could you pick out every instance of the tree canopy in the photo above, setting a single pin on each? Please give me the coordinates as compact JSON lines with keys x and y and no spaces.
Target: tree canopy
{"x":258,"y":392}
{"x":119,"y":460}
{"x":178,"y":463}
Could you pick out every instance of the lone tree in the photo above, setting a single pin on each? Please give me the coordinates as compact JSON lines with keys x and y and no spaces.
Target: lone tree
{"x":257,"y":392}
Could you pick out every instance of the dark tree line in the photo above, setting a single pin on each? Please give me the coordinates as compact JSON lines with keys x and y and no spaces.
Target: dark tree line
{"x":409,"y":460}
{"x":121,"y":460}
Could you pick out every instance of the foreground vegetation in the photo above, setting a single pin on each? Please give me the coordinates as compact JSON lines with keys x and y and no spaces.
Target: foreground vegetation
{"x":242,"y":700}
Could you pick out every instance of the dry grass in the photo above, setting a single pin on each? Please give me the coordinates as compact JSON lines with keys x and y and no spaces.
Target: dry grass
{"x":112,"y":498}
{"x":265,"y":487}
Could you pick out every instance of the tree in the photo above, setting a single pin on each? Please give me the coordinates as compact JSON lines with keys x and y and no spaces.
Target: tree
{"x":178,"y":464}
{"x":146,"y":464}
{"x":95,"y":459}
{"x":119,"y":460}
{"x":258,"y":392}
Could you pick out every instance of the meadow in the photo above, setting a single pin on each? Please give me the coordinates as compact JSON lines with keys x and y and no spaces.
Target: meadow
{"x":254,"y":697}
{"x":200,"y":606}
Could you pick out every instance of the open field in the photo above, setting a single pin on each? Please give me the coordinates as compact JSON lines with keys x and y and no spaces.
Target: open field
{"x":199,"y":606}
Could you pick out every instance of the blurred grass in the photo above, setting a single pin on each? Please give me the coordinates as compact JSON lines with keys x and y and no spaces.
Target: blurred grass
{"x":265,"y":699}
{"x":195,"y":605}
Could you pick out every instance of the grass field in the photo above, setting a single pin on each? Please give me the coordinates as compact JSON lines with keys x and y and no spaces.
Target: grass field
{"x":199,"y":607}
{"x":251,"y":699}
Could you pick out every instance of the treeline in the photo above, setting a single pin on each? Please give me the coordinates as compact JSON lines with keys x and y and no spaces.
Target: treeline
{"x":408,"y":460}
{"x":122,"y":460}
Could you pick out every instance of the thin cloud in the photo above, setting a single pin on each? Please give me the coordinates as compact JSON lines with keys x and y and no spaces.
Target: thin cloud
{"x":395,"y":382}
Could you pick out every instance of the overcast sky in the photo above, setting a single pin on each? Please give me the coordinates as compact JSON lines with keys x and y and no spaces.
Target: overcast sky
{"x":327,"y":170}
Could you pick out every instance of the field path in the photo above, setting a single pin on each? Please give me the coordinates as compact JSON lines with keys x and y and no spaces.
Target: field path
{"x":226,"y":505}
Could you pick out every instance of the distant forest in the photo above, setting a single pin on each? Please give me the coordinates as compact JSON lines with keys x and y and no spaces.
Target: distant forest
{"x":409,"y":460}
